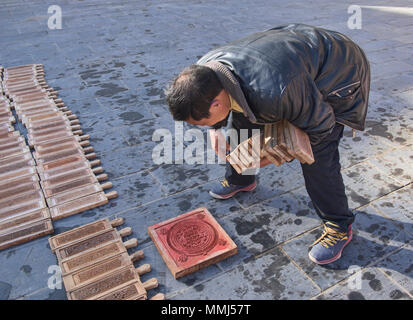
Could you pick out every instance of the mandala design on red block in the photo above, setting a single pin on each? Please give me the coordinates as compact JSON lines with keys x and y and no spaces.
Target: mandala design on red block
{"x":192,"y":237}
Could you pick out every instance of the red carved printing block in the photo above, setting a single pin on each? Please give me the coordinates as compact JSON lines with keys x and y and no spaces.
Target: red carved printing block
{"x":191,"y":241}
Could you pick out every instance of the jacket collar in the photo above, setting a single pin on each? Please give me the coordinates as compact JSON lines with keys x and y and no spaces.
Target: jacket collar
{"x":232,"y":86}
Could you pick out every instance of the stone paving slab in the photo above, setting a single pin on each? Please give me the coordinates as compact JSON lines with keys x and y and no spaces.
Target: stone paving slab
{"x":111,"y":62}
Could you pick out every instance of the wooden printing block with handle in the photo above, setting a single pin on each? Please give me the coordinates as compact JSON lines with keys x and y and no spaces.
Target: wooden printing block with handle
{"x":86,"y":276}
{"x":44,"y":159}
{"x":81,"y":204}
{"x":301,"y":144}
{"x":16,"y":158}
{"x":94,"y":256}
{"x":44,"y":131}
{"x":266,"y":150}
{"x":81,"y":233}
{"x":50,"y":116}
{"x":77,"y":193}
{"x":25,"y":118}
{"x":107,"y":285}
{"x":84,"y":246}
{"x":52,"y":137}
{"x":62,"y":170}
{"x":74,"y":144}
{"x":26,"y":233}
{"x":6,"y":225}
{"x":276,"y":141}
{"x":79,"y":182}
{"x":71,"y":176}
{"x":38,"y":110}
{"x":54,"y":153}
{"x":288,"y":140}
{"x":54,"y":165}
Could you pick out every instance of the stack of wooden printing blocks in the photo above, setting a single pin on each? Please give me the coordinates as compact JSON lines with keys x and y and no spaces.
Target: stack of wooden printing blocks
{"x":280,"y":142}
{"x":95,"y":263}
{"x":68,"y":181}
{"x":23,"y":211}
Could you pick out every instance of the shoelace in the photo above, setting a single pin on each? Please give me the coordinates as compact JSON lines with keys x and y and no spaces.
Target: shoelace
{"x":225,"y":183}
{"x":330,"y":236}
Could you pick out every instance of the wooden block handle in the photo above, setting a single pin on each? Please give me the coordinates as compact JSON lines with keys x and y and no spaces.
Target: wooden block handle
{"x":63,"y":109}
{"x":117,"y":222}
{"x":106,"y":185}
{"x":84,"y":143}
{"x":84,"y":137}
{"x":74,"y":122}
{"x":77,"y":132}
{"x":125,"y":232}
{"x":95,"y":163}
{"x":90,"y":156}
{"x":97,"y":170}
{"x":67,"y":113}
{"x":60,"y":105}
{"x":72,"y":117}
{"x":75,"y":127}
{"x":88,"y":149}
{"x":138,"y":255}
{"x":111,"y":195}
{"x":159,"y":296}
{"x":58,"y":101}
{"x":131,"y":243}
{"x":102,"y":177}
{"x":150,"y":284}
{"x":145,"y":268}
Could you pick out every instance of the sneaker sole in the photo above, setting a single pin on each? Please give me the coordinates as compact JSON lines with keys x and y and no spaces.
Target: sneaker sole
{"x":336,"y":257}
{"x":217,"y":196}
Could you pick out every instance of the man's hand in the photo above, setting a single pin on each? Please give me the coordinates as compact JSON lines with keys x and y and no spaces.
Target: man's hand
{"x":218,"y":143}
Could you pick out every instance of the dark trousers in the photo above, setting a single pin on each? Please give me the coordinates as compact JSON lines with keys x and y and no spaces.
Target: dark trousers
{"x":323,"y":179}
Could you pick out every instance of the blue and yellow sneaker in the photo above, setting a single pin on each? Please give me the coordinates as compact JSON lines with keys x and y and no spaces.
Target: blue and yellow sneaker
{"x":330,"y":245}
{"x":225,"y":190}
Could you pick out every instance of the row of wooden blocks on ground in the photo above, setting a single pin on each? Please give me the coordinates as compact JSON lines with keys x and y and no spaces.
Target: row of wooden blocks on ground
{"x":95,"y":263}
{"x":280,"y":142}
{"x":62,"y":168}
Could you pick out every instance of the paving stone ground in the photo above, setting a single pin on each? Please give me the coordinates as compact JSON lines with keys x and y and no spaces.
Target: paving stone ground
{"x":110,"y":63}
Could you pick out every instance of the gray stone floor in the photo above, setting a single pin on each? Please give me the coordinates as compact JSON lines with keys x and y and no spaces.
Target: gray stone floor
{"x":110,"y":63}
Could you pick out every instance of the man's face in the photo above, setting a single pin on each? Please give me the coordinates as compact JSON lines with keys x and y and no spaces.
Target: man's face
{"x":219,"y":109}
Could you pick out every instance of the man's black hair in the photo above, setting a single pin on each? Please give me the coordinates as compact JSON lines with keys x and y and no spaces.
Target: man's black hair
{"x":192,"y":92}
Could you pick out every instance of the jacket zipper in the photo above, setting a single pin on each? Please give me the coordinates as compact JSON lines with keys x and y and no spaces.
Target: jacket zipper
{"x":345,"y":87}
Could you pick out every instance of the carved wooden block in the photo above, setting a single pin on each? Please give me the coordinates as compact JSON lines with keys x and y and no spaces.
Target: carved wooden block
{"x":82,"y":247}
{"x":17,"y":191}
{"x":14,"y":142}
{"x":23,"y":220}
{"x":16,"y":166}
{"x":22,"y":209}
{"x":300,"y":143}
{"x":9,"y":176}
{"x":106,"y":285}
{"x":14,"y":151}
{"x":52,"y":191}
{"x":81,"y":204}
{"x":61,"y":162}
{"x":98,"y":254}
{"x":77,"y":193}
{"x":25,"y":233}
{"x":55,"y":136}
{"x":191,"y":241}
{"x":69,"y":177}
{"x":63,"y":154}
{"x":96,"y":272}
{"x":41,"y":151}
{"x":131,"y":291}
{"x":71,"y":166}
{"x":81,"y":233}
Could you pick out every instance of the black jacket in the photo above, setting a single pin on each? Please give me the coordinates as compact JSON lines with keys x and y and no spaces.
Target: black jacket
{"x":310,"y":76}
